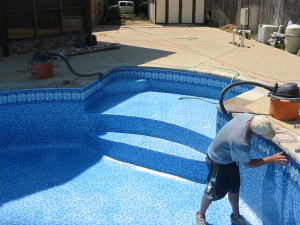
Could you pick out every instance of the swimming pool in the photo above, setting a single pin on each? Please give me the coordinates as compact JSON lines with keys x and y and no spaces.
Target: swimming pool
{"x":127,"y":149}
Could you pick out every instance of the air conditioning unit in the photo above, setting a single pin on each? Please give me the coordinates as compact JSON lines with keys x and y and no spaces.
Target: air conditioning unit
{"x":264,"y":32}
{"x":244,"y":20}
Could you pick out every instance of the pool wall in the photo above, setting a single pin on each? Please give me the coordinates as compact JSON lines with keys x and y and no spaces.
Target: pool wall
{"x":37,"y":120}
{"x":140,"y":80}
{"x":23,"y":110}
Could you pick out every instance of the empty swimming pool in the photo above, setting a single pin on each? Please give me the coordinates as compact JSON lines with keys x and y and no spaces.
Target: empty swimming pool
{"x":127,"y":149}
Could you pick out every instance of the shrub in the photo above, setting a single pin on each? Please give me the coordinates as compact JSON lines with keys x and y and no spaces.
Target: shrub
{"x":114,"y":13}
{"x":143,"y":8}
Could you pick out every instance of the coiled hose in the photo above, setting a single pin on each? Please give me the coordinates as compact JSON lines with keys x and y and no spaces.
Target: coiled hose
{"x":221,"y":99}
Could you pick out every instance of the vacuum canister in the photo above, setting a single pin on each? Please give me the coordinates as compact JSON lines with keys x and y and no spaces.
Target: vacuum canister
{"x":285,"y":102}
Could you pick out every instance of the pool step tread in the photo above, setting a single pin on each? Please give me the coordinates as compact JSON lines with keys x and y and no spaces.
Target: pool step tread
{"x":155,"y":144}
{"x":103,"y":123}
{"x":165,"y":107}
{"x":155,"y":154}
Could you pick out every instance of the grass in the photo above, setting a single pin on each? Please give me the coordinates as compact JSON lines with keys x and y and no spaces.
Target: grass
{"x":135,"y":17}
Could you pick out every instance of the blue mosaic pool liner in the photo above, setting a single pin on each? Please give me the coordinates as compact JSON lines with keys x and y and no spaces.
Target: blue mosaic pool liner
{"x":80,"y":95}
{"x":282,"y":182}
{"x":92,"y":91}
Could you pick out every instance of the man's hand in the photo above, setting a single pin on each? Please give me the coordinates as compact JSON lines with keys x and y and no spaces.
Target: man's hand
{"x":280,"y":159}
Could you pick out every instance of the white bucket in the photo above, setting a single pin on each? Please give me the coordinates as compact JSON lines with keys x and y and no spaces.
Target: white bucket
{"x":292,"y":38}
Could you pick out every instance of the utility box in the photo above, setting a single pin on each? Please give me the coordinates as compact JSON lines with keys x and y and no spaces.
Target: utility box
{"x":244,"y":20}
{"x":264,"y":32}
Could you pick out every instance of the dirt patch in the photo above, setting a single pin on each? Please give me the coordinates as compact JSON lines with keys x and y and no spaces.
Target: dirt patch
{"x":135,"y":22}
{"x":229,"y":27}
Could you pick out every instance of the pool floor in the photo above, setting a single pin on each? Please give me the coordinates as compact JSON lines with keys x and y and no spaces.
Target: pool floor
{"x":126,"y":175}
{"x":113,"y":192}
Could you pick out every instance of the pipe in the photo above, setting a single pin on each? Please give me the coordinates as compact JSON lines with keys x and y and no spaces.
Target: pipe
{"x":221,"y":99}
{"x":71,"y":69}
{"x":233,"y":36}
{"x":243,"y":35}
{"x":242,"y":39}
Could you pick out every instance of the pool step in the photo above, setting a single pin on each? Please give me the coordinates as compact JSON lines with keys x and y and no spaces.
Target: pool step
{"x":155,"y":154}
{"x":150,"y":127}
{"x":164,"y":107}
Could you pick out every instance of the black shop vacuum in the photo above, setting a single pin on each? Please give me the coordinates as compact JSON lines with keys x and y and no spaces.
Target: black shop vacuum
{"x":284,"y":99}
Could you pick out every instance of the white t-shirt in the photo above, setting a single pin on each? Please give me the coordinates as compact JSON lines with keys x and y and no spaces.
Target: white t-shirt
{"x":232,"y":142}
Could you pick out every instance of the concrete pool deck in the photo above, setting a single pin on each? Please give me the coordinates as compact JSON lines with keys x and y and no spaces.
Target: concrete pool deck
{"x":167,"y":47}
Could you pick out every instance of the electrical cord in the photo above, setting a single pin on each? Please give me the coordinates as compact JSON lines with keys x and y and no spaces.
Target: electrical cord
{"x":188,"y":40}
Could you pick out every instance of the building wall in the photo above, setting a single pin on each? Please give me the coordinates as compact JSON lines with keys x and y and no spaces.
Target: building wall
{"x":160,"y":11}
{"x":151,"y":10}
{"x":177,"y":11}
{"x":173,"y":6}
{"x":27,"y":46}
{"x":26,"y":26}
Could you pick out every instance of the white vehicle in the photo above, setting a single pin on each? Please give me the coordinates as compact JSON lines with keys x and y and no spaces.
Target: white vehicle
{"x":126,"y":7}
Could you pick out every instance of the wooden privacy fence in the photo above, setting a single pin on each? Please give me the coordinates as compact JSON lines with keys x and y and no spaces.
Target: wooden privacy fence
{"x":272,"y":12}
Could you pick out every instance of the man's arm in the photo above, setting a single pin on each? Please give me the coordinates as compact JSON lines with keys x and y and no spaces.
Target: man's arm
{"x":278,"y":158}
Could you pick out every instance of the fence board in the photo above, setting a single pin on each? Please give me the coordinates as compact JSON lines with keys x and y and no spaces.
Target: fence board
{"x":254,"y":13}
{"x":273,"y":12}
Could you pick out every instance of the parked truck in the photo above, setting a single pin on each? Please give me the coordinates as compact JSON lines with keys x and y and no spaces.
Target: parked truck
{"x":126,"y":7}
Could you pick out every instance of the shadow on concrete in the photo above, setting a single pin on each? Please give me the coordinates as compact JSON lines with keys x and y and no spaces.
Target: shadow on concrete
{"x":12,"y":79}
{"x":91,"y":61}
{"x":110,"y":27}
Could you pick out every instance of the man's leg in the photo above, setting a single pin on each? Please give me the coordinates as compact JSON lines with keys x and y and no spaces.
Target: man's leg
{"x":233,"y":194}
{"x":200,"y":217}
{"x":235,"y":217}
{"x":234,"y":201}
{"x":205,"y":203}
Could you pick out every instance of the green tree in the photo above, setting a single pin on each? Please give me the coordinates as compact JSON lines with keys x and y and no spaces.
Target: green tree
{"x":137,"y":6}
{"x":113,"y":2}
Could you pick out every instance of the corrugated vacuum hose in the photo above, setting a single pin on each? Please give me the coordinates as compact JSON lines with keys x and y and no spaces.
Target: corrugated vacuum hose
{"x":46,"y":56}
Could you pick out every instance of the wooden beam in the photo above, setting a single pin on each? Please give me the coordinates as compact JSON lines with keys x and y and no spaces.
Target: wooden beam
{"x":87,"y":16}
{"x":180,"y":12}
{"x":194,"y":12}
{"x":155,"y":11}
{"x":167,"y":12}
{"x":3,"y":32}
{"x":91,"y":49}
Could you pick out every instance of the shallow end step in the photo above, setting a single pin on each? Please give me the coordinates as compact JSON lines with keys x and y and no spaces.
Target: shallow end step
{"x":155,"y":144}
{"x":155,"y":154}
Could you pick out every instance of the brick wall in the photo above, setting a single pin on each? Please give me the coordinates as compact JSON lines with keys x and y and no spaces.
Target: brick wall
{"x":27,"y":46}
